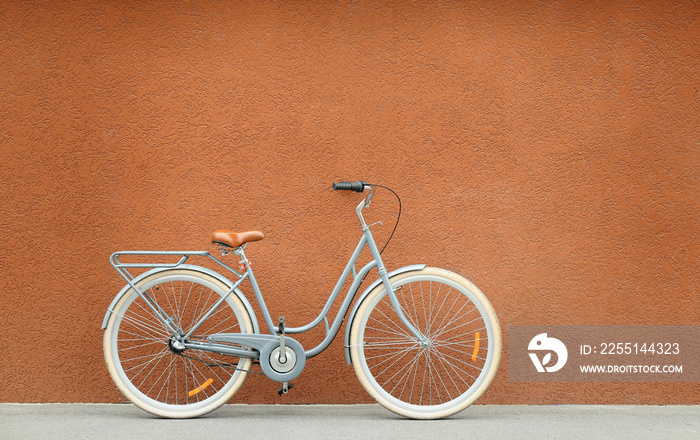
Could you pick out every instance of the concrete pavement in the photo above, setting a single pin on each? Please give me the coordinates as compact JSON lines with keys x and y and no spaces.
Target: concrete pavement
{"x":308,"y":422}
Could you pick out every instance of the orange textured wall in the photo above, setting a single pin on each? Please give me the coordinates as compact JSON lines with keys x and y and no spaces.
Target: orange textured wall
{"x":547,"y":151}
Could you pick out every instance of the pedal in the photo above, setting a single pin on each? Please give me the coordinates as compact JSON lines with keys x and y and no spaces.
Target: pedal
{"x":286,"y":386}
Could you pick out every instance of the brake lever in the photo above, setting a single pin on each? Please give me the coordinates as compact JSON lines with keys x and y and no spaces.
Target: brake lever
{"x":369,"y":197}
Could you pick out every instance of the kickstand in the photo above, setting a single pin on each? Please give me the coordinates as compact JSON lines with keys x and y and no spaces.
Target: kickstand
{"x":286,"y":386}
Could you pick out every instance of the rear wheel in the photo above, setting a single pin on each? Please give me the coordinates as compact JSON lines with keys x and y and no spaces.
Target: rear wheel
{"x":152,"y":369}
{"x":449,"y":368}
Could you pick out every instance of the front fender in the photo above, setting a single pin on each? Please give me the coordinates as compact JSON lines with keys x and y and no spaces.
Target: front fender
{"x":366,"y":292}
{"x":224,"y":280}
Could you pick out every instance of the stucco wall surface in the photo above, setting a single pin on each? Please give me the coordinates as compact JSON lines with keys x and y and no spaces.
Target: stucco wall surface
{"x":547,"y":151}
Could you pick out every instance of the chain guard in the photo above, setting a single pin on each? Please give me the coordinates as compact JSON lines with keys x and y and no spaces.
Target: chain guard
{"x":266,"y":345}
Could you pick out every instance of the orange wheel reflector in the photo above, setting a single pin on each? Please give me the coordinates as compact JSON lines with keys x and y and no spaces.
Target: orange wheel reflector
{"x":200,"y":388}
{"x":476,"y":346}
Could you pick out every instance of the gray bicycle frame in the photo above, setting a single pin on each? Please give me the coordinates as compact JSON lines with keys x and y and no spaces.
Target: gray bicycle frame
{"x":366,"y":240}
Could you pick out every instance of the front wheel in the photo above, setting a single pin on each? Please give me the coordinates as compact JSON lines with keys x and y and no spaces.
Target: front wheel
{"x":449,"y":367}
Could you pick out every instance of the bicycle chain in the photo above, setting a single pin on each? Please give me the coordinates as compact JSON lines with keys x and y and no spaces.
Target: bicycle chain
{"x":227,"y":366}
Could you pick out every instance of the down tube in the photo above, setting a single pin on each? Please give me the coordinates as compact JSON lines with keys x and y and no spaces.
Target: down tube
{"x":296,"y":330}
{"x":334,"y":294}
{"x":342,"y":312}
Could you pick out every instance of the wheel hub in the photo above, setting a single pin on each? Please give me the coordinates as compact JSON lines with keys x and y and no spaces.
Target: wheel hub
{"x":424,"y":343}
{"x":176,"y":346}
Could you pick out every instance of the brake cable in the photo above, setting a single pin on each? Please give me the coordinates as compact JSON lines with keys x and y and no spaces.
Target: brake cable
{"x":398,"y":217}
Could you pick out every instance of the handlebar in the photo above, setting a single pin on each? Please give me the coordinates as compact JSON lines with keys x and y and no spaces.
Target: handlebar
{"x":358,"y":186}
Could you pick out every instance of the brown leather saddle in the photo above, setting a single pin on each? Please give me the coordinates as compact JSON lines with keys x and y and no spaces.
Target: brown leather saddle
{"x":233,"y":239}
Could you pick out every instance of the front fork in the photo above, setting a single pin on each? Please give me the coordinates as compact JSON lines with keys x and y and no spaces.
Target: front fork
{"x":420,"y":337}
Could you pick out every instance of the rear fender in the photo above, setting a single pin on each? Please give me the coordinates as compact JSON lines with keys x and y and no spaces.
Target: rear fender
{"x":204,"y":270}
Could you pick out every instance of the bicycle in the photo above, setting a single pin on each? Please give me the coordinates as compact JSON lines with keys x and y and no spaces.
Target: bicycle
{"x":180,"y":339}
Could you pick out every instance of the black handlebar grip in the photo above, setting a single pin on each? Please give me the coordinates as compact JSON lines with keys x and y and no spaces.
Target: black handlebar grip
{"x":358,"y":186}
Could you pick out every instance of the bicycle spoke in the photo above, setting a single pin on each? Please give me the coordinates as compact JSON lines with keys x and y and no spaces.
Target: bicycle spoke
{"x":466,"y":354}
{"x":455,"y":317}
{"x":397,"y":330}
{"x":408,"y":315}
{"x":178,"y":301}
{"x":432,"y":312}
{"x":146,"y":325}
{"x":205,"y":308}
{"x":209,"y":368}
{"x":187,"y":301}
{"x":166,"y":382}
{"x":151,"y":358}
{"x":142,"y":337}
{"x":464,"y":343}
{"x":432,"y":380}
{"x":426,"y":313}
{"x":173,"y":310}
{"x":389,"y":356}
{"x":222,"y":321}
{"x":142,"y":345}
{"x":388,"y":343}
{"x":446,"y":356}
{"x":395,"y":374}
{"x":153,"y":364}
{"x":478,"y":318}
{"x":461,"y":334}
{"x":449,"y":311}
{"x":450,"y":376}
{"x":455,"y":371}
{"x":408,"y":367}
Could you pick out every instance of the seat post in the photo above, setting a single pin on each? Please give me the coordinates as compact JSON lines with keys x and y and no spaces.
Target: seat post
{"x":244,"y":263}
